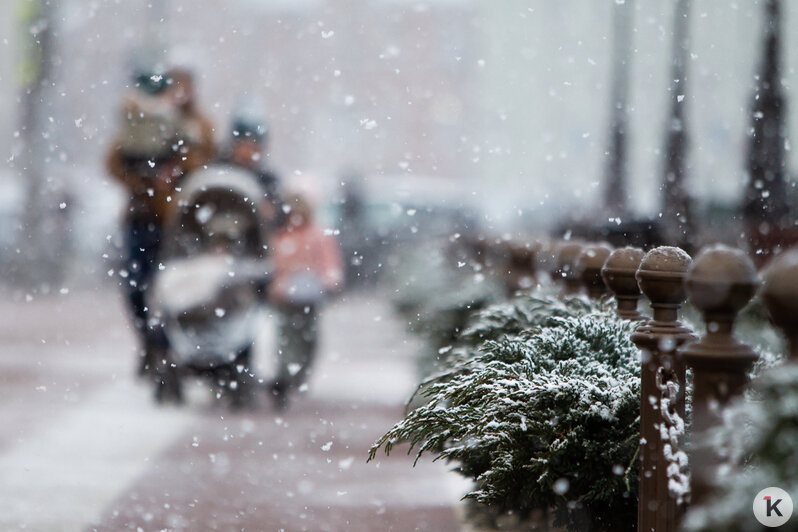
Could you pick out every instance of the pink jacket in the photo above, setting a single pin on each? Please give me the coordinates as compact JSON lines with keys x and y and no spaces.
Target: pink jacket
{"x":301,"y":251}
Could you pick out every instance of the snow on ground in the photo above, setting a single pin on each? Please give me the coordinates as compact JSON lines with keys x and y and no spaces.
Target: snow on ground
{"x":84,"y":447}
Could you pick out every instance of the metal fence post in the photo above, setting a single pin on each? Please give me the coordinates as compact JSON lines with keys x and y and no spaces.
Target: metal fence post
{"x":661,"y":278}
{"x":618,"y":273}
{"x":780,"y":296}
{"x":588,"y":268}
{"x":720,"y":283}
{"x":567,"y":253}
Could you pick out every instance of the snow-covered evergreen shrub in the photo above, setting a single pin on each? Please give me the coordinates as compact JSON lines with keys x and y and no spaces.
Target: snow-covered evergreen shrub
{"x":522,"y":314}
{"x":754,"y":328}
{"x":760,"y":438}
{"x":517,"y":316}
{"x":543,"y":418}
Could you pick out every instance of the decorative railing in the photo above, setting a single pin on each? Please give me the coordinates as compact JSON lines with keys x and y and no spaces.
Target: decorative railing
{"x":677,"y":467}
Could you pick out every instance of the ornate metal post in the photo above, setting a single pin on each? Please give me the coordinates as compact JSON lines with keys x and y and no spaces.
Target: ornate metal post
{"x":661,"y":278}
{"x":588,"y":267}
{"x":618,"y":273}
{"x":567,"y":253}
{"x":545,"y":261}
{"x":720,"y":283}
{"x":521,"y":271}
{"x":482,"y":251}
{"x":780,"y":295}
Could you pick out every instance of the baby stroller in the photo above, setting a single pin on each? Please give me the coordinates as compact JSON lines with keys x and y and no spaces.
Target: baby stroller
{"x":210,"y":285}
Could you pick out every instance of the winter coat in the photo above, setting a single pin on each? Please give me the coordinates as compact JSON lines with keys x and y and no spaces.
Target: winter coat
{"x":300,"y":254}
{"x":200,"y":148}
{"x":150,"y":182}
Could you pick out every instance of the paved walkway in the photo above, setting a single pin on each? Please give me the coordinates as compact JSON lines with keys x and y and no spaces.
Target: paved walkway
{"x":83,"y":447}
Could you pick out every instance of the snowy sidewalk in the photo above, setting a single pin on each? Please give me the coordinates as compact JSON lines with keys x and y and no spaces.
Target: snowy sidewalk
{"x":83,"y":447}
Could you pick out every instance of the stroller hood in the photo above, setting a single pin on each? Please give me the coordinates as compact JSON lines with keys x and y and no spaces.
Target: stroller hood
{"x":221,"y":177}
{"x":218,"y":207}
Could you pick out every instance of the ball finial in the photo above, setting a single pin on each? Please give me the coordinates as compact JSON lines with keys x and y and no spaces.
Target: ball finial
{"x":567,"y":253}
{"x":780,"y":296}
{"x":521,"y":265}
{"x":618,"y":273}
{"x":721,"y":281}
{"x":661,"y":276}
{"x":588,"y":267}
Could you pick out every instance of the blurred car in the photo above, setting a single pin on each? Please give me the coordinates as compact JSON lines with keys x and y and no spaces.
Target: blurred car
{"x":394,"y":211}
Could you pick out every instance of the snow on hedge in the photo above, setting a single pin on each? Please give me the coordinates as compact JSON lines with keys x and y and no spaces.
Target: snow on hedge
{"x":759,"y":439}
{"x":543,"y":414}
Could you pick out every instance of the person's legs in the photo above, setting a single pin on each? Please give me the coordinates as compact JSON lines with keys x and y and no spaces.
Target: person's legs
{"x":280,"y":384}
{"x":296,"y":348}
{"x":287,"y":341}
{"x":242,"y":381}
{"x":143,"y":243}
{"x":305,"y":322}
{"x":132,"y":278}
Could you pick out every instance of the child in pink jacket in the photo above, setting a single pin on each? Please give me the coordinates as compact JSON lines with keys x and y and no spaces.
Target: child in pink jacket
{"x":307,"y":266}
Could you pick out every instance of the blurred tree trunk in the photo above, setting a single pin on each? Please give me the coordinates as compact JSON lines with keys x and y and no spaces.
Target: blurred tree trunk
{"x":38,"y":261}
{"x":765,"y":207}
{"x":677,"y":224}
{"x":616,"y":194}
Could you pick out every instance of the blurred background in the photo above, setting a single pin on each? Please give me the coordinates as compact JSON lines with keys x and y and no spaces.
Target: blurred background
{"x":635,"y":121}
{"x":508,"y":104}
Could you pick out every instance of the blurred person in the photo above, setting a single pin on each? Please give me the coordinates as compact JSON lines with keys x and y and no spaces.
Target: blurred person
{"x":197,"y":147}
{"x":162,"y":137}
{"x":211,"y":282}
{"x":247,"y":149}
{"x":307,"y":267}
{"x":357,"y":244}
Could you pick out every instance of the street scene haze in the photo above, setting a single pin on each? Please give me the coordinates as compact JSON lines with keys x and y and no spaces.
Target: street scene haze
{"x":398,"y":265}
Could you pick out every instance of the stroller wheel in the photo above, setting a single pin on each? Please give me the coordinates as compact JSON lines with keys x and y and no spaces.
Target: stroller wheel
{"x":240,"y":382}
{"x":241,"y":388}
{"x":279,"y":395}
{"x":168,"y":386}
{"x":155,"y":353}
{"x":148,"y":360}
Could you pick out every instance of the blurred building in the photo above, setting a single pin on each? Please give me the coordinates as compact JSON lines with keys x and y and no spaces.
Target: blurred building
{"x":509,"y":97}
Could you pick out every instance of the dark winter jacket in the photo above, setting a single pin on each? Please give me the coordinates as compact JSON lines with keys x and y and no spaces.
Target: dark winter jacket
{"x":150,"y":181}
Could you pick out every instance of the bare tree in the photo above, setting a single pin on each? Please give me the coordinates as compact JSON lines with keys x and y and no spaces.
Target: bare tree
{"x":616,"y":195}
{"x":765,"y":206}
{"x":40,"y":227}
{"x":676,"y":205}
